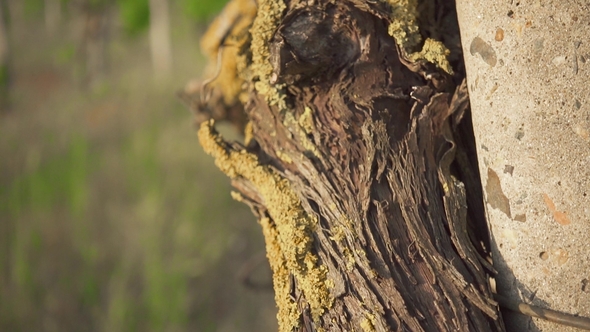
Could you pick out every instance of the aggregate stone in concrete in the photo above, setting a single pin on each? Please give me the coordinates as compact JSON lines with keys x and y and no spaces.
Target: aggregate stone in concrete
{"x":528,"y":72}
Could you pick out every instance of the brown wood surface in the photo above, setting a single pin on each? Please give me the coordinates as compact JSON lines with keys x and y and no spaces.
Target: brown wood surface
{"x":373,"y":149}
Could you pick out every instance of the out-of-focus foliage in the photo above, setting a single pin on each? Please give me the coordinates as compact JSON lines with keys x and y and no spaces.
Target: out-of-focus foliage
{"x":111,"y":216}
{"x":135,"y":15}
{"x":202,"y":9}
{"x":33,"y":7}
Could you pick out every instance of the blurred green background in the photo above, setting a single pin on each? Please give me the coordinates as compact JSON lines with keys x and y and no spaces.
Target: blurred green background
{"x":111,"y":216}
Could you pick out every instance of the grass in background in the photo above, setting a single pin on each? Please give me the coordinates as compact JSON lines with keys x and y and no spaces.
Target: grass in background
{"x":111,"y":216}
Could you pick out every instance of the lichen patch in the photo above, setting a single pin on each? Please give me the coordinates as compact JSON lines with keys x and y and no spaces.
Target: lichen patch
{"x":404,"y":27}
{"x":300,"y":131}
{"x":288,"y":232}
{"x":265,"y":24}
{"x":368,"y":323}
{"x":306,"y":120}
{"x":406,"y":32}
{"x":223,"y":42}
{"x":436,"y":52}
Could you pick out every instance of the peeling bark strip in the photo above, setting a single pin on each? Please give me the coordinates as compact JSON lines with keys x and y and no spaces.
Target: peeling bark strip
{"x":348,"y":166}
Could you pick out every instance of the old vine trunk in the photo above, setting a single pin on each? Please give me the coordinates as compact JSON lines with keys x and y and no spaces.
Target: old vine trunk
{"x":355,"y":160}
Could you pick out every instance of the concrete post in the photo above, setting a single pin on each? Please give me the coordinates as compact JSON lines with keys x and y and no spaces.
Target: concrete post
{"x":528,"y":71}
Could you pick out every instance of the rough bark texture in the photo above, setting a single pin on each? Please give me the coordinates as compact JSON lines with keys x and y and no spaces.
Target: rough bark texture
{"x":351,"y":165}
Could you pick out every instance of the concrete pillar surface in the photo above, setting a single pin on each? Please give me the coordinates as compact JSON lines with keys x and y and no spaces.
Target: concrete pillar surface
{"x":528,"y":72}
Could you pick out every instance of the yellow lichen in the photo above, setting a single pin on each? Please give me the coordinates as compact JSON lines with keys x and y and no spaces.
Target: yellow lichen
{"x":288,"y":236}
{"x":222,"y":43}
{"x":330,"y":283}
{"x":404,"y":27}
{"x":350,"y":261}
{"x":237,"y":196}
{"x":284,"y":157}
{"x":248,"y":133}
{"x":436,"y":52}
{"x":300,"y":133}
{"x":337,"y":234}
{"x":236,"y":16}
{"x":288,"y":315}
{"x":266,"y":22}
{"x":306,"y":120}
{"x":368,"y":323}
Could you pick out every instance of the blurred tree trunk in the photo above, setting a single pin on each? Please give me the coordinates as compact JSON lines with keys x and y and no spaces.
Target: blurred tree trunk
{"x":94,"y":24}
{"x":160,"y":45}
{"x":356,"y":163}
{"x":4,"y":58}
{"x":52,"y":15}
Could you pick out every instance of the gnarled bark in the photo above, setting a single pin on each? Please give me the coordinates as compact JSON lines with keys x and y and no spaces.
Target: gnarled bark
{"x":353,"y":166}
